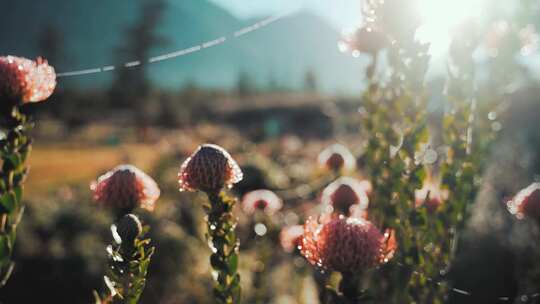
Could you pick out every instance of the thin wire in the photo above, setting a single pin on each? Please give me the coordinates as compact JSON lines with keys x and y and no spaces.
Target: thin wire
{"x":189,"y":50}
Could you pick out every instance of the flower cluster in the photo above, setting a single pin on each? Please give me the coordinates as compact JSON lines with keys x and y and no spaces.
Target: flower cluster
{"x":209,"y":169}
{"x":345,"y":244}
{"x":23,"y":80}
{"x":125,"y":188}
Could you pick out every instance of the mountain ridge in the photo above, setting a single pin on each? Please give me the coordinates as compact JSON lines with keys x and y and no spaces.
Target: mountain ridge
{"x":283,"y":50}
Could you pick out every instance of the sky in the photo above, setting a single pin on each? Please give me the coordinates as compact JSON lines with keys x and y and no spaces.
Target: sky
{"x":340,"y":13}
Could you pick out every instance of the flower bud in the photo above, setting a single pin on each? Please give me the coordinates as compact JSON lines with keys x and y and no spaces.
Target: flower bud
{"x":336,"y":158}
{"x":342,"y":194}
{"x":209,"y":169}
{"x":125,"y":188}
{"x":23,"y":80}
{"x":263,"y":199}
{"x":345,"y":244}
{"x":128,"y":228}
{"x":526,"y":203}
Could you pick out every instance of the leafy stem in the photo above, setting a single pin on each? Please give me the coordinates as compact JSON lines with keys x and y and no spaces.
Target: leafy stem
{"x":14,"y":149}
{"x":224,"y":245}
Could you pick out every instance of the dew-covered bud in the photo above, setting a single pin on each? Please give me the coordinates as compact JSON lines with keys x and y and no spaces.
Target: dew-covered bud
{"x":125,"y":188}
{"x":336,"y":158}
{"x":526,"y":203}
{"x":128,"y":228}
{"x":264,"y":200}
{"x":23,"y":80}
{"x":345,"y":192}
{"x":209,"y":169}
{"x":345,"y":244}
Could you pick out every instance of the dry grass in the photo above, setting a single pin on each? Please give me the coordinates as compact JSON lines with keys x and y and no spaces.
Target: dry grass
{"x":55,"y":165}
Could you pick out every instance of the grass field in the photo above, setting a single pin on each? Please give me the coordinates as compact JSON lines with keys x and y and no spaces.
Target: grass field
{"x":81,"y":164}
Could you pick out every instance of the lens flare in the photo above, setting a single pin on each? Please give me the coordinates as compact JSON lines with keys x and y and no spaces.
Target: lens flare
{"x":441,"y":17}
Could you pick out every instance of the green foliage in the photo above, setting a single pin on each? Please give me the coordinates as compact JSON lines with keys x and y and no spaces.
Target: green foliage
{"x":14,"y":150}
{"x":396,"y":127}
{"x":128,"y":264}
{"x":224,"y":258}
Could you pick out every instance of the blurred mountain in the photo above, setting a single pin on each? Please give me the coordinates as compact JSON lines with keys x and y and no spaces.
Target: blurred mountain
{"x":87,"y":34}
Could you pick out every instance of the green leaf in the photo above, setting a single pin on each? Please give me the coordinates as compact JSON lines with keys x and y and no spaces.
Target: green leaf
{"x":18,"y":193}
{"x":8,"y":202}
{"x":233,"y":263}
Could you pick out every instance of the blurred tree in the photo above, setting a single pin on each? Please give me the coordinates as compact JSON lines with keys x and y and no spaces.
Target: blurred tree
{"x":131,"y":86}
{"x":50,"y":44}
{"x":244,"y":84}
{"x":310,"y":81}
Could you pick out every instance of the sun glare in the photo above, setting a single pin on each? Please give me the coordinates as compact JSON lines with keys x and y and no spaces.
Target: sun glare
{"x":441,"y":17}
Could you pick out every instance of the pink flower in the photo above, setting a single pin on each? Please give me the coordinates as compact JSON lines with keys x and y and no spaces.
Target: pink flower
{"x":526,"y":202}
{"x":430,"y":195}
{"x":263,"y":199}
{"x":344,"y":193}
{"x":23,"y":80}
{"x":337,"y":157}
{"x":209,"y":169}
{"x":291,"y":237}
{"x":346,"y":244}
{"x":125,"y":188}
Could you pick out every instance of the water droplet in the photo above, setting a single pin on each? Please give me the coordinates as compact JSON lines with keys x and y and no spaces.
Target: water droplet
{"x":260,"y":229}
{"x":492,"y":115}
{"x":496,"y":126}
{"x":430,"y":157}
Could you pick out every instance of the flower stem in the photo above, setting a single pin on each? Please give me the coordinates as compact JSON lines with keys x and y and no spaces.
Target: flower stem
{"x":128,"y":265}
{"x":349,"y":287}
{"x":14,"y":149}
{"x":224,"y":259}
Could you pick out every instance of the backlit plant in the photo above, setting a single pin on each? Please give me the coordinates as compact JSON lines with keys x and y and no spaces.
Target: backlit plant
{"x":122,"y":190}
{"x":22,"y":81}
{"x":211,"y":169}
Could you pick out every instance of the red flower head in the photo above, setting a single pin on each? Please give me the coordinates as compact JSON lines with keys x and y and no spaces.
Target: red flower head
{"x":291,"y":237}
{"x":526,"y":202}
{"x":125,"y":188}
{"x":337,"y":157}
{"x":265,"y":200}
{"x":342,"y":194}
{"x":23,"y":80}
{"x":430,"y":195}
{"x":346,"y":244}
{"x":209,"y":169}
